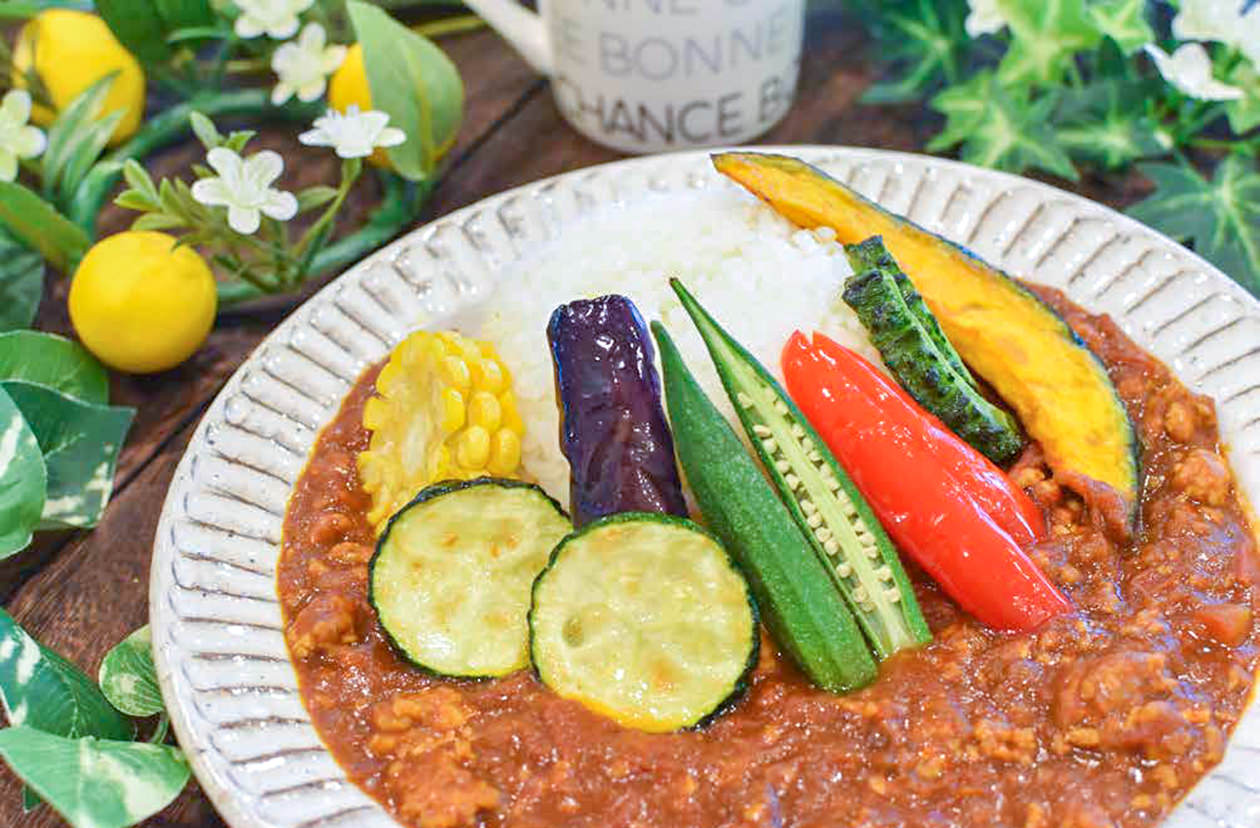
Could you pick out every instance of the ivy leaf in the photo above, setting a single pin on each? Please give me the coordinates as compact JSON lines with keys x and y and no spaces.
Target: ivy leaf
{"x":80,"y":444}
{"x":94,"y":783}
{"x":1219,"y":218}
{"x":1124,"y":21}
{"x":53,"y":362}
{"x":1244,"y":113}
{"x":1106,"y":122}
{"x":129,"y":679}
{"x":999,"y":129}
{"x":37,"y":223}
{"x":415,"y":83}
{"x":927,"y":42}
{"x":21,"y":283}
{"x":1047,"y":34}
{"x":22,"y":483}
{"x":42,"y":690}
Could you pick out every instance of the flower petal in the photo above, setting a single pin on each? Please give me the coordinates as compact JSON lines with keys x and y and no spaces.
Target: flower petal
{"x":313,"y":38}
{"x":283,"y":29}
{"x":224,"y":161}
{"x":316,"y":137}
{"x":244,"y":220}
{"x":311,"y":91}
{"x":281,"y":93}
{"x":8,"y":165}
{"x":333,"y":57}
{"x":17,"y":105}
{"x":247,"y":27}
{"x":211,"y":192}
{"x":391,"y":137}
{"x":264,"y":167}
{"x":29,"y":142}
{"x":280,"y":205}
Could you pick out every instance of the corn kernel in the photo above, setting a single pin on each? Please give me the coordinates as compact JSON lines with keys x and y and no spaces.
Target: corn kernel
{"x":455,"y":372}
{"x":491,"y":378}
{"x":484,"y":410}
{"x":453,"y":410}
{"x":511,"y":418}
{"x":505,"y":453}
{"x":473,"y":449}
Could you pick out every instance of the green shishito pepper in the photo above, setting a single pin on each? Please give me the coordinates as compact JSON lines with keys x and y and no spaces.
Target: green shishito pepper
{"x":803,"y":610}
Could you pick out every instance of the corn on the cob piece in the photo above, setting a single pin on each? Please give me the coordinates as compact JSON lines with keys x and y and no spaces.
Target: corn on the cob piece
{"x":443,"y":409}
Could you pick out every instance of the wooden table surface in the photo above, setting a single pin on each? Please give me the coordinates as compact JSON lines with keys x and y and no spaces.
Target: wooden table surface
{"x":81,"y":592}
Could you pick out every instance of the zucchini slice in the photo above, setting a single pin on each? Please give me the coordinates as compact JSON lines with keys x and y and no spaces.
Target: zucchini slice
{"x":451,"y":576}
{"x":642,"y":617}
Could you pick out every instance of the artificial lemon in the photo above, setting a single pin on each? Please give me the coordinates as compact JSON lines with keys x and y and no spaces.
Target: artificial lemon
{"x":71,"y":50}
{"x":140,"y":303}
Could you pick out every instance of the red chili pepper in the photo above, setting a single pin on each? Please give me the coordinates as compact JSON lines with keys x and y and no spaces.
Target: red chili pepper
{"x":1005,"y":502}
{"x":923,"y":497}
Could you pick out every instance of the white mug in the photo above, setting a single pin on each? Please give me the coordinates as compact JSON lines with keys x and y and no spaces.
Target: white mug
{"x":654,"y":75}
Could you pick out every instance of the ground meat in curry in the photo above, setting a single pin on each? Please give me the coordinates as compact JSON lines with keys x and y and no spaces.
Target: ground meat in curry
{"x":1101,"y":719}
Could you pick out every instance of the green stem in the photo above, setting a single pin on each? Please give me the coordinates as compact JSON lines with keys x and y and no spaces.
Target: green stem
{"x":400,"y":204}
{"x":159,"y":730}
{"x":165,"y":129}
{"x":350,"y":171}
{"x":450,"y":26}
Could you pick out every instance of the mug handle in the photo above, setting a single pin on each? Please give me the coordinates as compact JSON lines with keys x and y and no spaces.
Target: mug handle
{"x":520,"y":27}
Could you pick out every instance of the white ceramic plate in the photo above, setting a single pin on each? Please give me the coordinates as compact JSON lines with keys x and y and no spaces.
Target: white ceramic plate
{"x":217,"y":632}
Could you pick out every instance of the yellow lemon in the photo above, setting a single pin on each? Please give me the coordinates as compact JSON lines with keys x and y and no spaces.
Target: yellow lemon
{"x":71,"y":50}
{"x":140,"y":303}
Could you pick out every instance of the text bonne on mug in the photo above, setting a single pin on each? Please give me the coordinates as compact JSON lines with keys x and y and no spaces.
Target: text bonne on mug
{"x":599,"y":58}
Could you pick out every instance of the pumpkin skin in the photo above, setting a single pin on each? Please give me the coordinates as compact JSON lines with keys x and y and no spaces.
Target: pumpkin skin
{"x":1022,"y":348}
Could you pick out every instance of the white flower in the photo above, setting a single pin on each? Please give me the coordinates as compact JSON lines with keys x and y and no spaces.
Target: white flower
{"x":277,"y":19}
{"x":986,"y":18}
{"x":1190,"y":70}
{"x":354,"y":134}
{"x":1232,"y":22}
{"x":303,"y":66}
{"x":243,"y":186}
{"x":17,"y":139}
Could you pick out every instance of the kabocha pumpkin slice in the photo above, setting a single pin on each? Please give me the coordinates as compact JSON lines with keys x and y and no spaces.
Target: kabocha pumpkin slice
{"x":919,"y":354}
{"x":443,"y":409}
{"x":643,"y":617}
{"x":1026,"y":352}
{"x":452,"y":574}
{"x":845,"y":535}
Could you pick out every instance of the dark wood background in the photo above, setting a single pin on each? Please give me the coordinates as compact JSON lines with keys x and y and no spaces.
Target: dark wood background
{"x":81,"y":592}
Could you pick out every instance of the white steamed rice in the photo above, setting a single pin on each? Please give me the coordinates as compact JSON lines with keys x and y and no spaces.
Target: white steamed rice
{"x":759,"y":276}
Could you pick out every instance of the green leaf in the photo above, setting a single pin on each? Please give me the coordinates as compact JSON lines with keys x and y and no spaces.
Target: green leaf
{"x":184,"y":14}
{"x":157,"y":221}
{"x":53,"y":362}
{"x":21,"y":283}
{"x":76,"y":140}
{"x":999,"y":129}
{"x":1244,"y":113}
{"x":94,"y":783}
{"x":129,"y":679}
{"x":1106,"y":122}
{"x":42,"y":690}
{"x":205,"y":130}
{"x":1220,"y":218}
{"x":313,"y":197}
{"x":199,"y":33}
{"x":1047,"y":34}
{"x":415,"y":83}
{"x":22,"y":482}
{"x":37,"y":223}
{"x":138,"y":179}
{"x":1124,"y":21}
{"x":80,"y":443}
{"x":926,"y":43}
{"x":139,"y":28}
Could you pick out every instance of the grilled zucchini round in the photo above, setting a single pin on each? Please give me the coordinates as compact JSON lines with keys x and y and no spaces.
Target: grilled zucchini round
{"x":451,"y":576}
{"x":643,"y":617}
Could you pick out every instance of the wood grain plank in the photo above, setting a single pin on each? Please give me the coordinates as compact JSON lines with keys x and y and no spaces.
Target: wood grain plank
{"x":495,"y":81}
